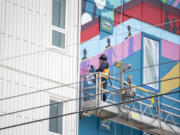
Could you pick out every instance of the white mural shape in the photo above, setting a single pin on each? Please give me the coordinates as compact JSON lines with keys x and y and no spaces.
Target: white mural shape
{"x":85,"y":18}
{"x":100,"y":3}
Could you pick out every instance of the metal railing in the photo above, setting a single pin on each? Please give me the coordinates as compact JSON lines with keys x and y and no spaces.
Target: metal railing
{"x":91,"y":96}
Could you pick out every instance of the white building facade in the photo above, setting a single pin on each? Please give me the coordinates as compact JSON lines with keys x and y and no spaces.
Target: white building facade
{"x":39,"y":65}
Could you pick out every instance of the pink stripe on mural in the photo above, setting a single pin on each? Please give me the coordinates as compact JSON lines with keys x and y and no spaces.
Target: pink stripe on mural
{"x":137,"y":41}
{"x":121,"y":51}
{"x":170,"y":50}
{"x":176,"y":3}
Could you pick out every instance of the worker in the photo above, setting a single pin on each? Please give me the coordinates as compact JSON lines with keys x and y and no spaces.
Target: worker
{"x":104,"y":68}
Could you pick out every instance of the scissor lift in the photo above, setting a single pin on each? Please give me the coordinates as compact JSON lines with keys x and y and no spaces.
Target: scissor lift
{"x":159,"y":118}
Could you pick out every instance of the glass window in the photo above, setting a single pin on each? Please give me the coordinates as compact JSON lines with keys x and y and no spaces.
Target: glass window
{"x":151,"y":62}
{"x":58,"y":23}
{"x":55,"y":125}
{"x":58,"y":17}
{"x":58,"y":39}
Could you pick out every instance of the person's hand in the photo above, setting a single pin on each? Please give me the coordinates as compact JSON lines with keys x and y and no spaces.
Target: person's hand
{"x":92,"y":69}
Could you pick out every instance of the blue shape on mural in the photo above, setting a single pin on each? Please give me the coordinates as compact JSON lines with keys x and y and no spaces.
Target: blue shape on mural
{"x":167,"y":66}
{"x":106,"y":20}
{"x":110,"y":53}
{"x":91,"y":126}
{"x":135,"y":62}
{"x":89,"y":7}
{"x":85,"y":65}
{"x":106,"y":25}
{"x":131,"y":44}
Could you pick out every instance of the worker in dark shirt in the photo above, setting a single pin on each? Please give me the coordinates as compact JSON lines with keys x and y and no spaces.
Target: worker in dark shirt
{"x":104,"y":68}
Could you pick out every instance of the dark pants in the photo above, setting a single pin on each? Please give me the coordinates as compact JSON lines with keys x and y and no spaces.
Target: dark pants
{"x":104,"y":97}
{"x":104,"y":84}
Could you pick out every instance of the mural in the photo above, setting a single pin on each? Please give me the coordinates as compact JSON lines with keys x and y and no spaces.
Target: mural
{"x":166,"y":16}
{"x":174,"y":3}
{"x":120,"y":36}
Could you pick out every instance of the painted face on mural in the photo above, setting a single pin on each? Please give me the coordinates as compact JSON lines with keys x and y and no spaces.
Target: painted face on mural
{"x":108,"y":41}
{"x":129,"y":28}
{"x":84,"y":52}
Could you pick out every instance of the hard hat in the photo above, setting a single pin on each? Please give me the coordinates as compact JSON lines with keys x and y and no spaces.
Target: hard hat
{"x":103,"y":57}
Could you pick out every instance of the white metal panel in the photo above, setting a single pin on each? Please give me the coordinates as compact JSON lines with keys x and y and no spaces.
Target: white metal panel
{"x":22,"y":3}
{"x":7,"y":8}
{"x":44,"y":31}
{"x":1,"y":8}
{"x":9,"y":49}
{"x":40,"y":28}
{"x":10,"y":19}
{"x":19,"y":22}
{"x":30,"y":4}
{"x":26,"y":3}
{"x":43,"y":6}
{"x":15,"y":2}
{"x":26,"y":21}
{"x":37,"y":6}
{"x":14,"y":19}
{"x":30,"y":32}
{"x":2,"y":16}
{"x":1,"y":92}
{"x":2,"y":43}
{"x":30,"y":25}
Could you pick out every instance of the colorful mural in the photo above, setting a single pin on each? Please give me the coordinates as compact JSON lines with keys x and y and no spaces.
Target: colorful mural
{"x":132,"y":19}
{"x":166,"y":17}
{"x":174,"y":3}
{"x":95,"y":126}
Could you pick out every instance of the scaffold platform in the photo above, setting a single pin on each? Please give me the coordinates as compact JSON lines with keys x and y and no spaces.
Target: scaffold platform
{"x":124,"y":105}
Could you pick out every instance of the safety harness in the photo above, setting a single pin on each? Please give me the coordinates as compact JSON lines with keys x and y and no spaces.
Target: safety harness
{"x":106,"y":71}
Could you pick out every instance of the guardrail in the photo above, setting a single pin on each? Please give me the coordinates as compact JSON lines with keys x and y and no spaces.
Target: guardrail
{"x":92,"y":88}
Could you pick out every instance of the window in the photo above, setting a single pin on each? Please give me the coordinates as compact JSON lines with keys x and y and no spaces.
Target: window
{"x":151,"y":62}
{"x":55,"y":125}
{"x":58,"y":23}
